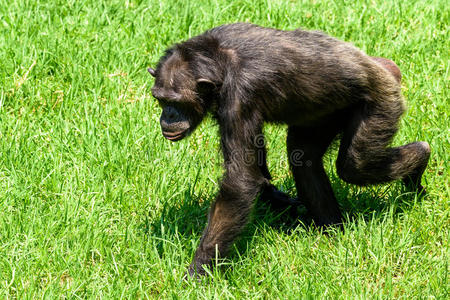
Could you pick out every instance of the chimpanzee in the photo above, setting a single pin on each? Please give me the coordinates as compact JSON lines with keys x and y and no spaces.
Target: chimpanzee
{"x":246,"y":75}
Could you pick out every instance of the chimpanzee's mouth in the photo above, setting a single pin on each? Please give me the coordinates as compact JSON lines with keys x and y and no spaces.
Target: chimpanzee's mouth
{"x":174,"y":136}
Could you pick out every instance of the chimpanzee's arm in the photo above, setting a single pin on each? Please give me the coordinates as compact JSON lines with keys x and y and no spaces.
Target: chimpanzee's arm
{"x":242,"y":182}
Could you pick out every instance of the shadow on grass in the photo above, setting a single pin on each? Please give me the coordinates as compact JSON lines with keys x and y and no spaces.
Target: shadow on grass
{"x":188,"y":217}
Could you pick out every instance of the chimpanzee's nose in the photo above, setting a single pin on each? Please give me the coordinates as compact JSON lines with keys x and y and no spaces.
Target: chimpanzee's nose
{"x":171,"y":114}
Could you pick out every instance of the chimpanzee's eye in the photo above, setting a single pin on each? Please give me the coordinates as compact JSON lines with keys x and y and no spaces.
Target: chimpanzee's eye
{"x":162,"y":102}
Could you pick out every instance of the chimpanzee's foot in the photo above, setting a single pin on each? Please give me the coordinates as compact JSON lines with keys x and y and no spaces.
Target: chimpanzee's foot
{"x":277,"y":199}
{"x":413,"y":183}
{"x":194,"y":272}
{"x":413,"y":180}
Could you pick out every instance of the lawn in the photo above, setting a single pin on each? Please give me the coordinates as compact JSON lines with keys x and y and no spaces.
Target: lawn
{"x":95,"y":203}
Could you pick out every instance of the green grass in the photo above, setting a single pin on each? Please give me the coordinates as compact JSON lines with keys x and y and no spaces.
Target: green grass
{"x":95,"y":203}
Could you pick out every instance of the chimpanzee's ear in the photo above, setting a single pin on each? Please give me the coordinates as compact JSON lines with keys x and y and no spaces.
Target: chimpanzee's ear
{"x":204,"y":80}
{"x":205,"y":84}
{"x":152,"y":72}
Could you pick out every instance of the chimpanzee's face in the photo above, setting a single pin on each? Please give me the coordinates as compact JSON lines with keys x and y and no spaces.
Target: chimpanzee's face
{"x":179,"y":117}
{"x":176,"y":91}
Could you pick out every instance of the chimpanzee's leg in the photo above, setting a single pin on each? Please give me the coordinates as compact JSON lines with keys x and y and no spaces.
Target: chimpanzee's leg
{"x":306,"y":147}
{"x":270,"y":194}
{"x":364,"y":156}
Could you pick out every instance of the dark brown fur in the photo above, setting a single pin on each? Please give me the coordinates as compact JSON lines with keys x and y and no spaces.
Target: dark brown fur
{"x":247,"y":75}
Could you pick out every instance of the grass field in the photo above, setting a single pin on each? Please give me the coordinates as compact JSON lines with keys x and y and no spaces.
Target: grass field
{"x":95,"y":203}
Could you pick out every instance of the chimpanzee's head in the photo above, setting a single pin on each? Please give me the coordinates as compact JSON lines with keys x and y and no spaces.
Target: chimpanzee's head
{"x":184,"y":99}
